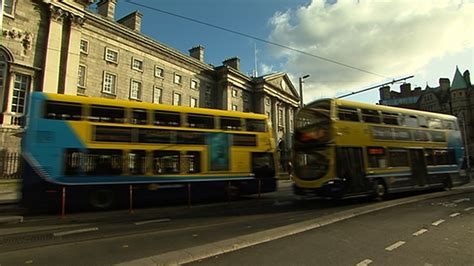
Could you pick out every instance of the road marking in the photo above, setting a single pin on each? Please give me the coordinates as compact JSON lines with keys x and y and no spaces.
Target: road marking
{"x":469,"y":208}
{"x":454,"y":214}
{"x":78,"y":231}
{"x":461,"y":200}
{"x":438,"y":222}
{"x":420,"y":232}
{"x":395,"y":245}
{"x":153,"y":221}
{"x":364,"y":262}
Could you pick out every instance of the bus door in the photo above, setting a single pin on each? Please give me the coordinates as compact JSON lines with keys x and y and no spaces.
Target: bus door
{"x":350,"y":166}
{"x":418,"y":167}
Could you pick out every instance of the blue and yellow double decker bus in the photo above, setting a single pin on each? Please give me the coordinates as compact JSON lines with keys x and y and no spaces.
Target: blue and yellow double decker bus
{"x":348,"y":148}
{"x":98,"y":147}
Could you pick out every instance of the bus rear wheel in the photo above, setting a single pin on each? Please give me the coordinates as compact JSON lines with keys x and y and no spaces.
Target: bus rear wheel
{"x":102,"y":199}
{"x":380,"y":190}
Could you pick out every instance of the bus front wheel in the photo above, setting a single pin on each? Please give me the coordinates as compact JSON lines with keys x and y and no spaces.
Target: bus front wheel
{"x":380,"y":190}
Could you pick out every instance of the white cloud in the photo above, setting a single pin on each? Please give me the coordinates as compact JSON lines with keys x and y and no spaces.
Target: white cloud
{"x":265,"y":69}
{"x":390,"y":38}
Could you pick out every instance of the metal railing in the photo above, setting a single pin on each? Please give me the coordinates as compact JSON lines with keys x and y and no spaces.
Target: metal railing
{"x":9,"y":165}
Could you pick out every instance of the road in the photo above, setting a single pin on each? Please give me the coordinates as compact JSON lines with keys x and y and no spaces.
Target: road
{"x":431,"y":232}
{"x":108,"y":238}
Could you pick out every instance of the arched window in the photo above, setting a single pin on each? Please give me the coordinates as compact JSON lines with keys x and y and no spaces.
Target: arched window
{"x":3,"y":72}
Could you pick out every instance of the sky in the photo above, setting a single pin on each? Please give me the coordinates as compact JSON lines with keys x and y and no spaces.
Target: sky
{"x":344,"y":45}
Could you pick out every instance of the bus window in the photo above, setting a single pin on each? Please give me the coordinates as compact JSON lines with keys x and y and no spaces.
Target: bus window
{"x":429,"y":157}
{"x":103,"y":162}
{"x":370,"y":116}
{"x":410,"y":121}
{"x":255,"y":125}
{"x":244,"y":140}
{"x":200,"y":121}
{"x":390,"y":118}
{"x":139,"y":117}
{"x":376,"y":157}
{"x":166,"y":162}
{"x":136,"y":162}
{"x":156,"y":136}
{"x":347,"y":113}
{"x":422,"y":121}
{"x":112,"y":134}
{"x":193,"y":161}
{"x":107,"y":114}
{"x":448,"y":124}
{"x":63,"y":111}
{"x":193,"y":138}
{"x":444,"y":157}
{"x":167,"y":119}
{"x":73,"y":161}
{"x":397,"y":158}
{"x":434,"y":123}
{"x":230,"y":123}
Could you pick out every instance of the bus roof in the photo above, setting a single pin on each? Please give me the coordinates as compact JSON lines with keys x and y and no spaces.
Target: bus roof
{"x":382,"y":108}
{"x":145,"y":105}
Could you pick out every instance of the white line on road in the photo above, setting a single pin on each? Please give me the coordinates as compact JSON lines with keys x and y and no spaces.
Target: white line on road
{"x":395,"y":245}
{"x":469,"y":208}
{"x":153,"y":221}
{"x":420,"y":232}
{"x":438,"y":222}
{"x":461,"y":200}
{"x":364,"y":262}
{"x":78,"y":231}
{"x":454,"y":214}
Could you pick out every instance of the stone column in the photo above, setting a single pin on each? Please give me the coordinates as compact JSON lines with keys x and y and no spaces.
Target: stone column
{"x":73,"y":56}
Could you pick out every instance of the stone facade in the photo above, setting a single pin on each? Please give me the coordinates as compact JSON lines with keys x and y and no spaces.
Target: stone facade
{"x":456,"y":98}
{"x":61,"y":47}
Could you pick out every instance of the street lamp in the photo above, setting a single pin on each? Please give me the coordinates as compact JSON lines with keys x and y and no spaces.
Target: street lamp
{"x":301,"y":89}
{"x":466,"y":147}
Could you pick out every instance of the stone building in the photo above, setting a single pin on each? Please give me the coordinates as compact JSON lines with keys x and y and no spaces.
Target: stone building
{"x":62,"y":47}
{"x":456,"y":98}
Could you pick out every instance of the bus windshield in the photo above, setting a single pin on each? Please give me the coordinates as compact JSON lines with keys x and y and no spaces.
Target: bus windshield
{"x":313,"y":126}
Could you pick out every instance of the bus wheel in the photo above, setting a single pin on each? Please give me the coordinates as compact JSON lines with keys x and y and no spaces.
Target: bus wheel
{"x":102,"y":199}
{"x":380,"y":190}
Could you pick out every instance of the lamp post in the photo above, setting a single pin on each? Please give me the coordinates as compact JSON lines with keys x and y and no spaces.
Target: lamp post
{"x":301,"y":88}
{"x":466,"y":147}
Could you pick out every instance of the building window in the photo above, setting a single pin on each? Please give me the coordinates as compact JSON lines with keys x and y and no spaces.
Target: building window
{"x":235,"y":107}
{"x":194,"y":84}
{"x":20,"y":88}
{"x":135,"y":90}
{"x":280,"y":117}
{"x":3,"y":71}
{"x":84,"y":47}
{"x":177,"y":79}
{"x":109,"y":83}
{"x":193,"y":102}
{"x":137,"y":64}
{"x":111,"y":55}
{"x":235,"y":93}
{"x":157,"y":93}
{"x":176,"y":98}
{"x":159,"y":72}
{"x":81,"y":79}
{"x":8,"y":7}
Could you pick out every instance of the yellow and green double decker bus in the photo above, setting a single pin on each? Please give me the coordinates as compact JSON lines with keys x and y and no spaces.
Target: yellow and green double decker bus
{"x":346,"y":148}
{"x":97,"y":148}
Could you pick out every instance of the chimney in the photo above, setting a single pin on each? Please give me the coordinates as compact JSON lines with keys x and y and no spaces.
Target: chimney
{"x":197,"y":52}
{"x":132,"y":21}
{"x":444,"y":83}
{"x":384,"y":93}
{"x":405,"y":89}
{"x":233,"y":62}
{"x":106,"y":8}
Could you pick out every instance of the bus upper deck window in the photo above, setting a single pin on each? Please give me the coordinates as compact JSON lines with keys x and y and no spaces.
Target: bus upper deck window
{"x":255,"y":125}
{"x":139,"y":117}
{"x":448,"y":124}
{"x":434,"y":123}
{"x":200,"y":121}
{"x":109,"y":114}
{"x":230,"y":123}
{"x":63,"y":111}
{"x":370,"y":116}
{"x":347,"y":113}
{"x":162,"y":118}
{"x":410,"y":121}
{"x":390,"y":118}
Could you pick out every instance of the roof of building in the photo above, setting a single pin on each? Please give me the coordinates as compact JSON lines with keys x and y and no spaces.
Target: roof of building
{"x":458,"y":81}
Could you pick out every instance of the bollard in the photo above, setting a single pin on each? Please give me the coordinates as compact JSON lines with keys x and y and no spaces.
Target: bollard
{"x":63,"y":203}
{"x":131,"y":198}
